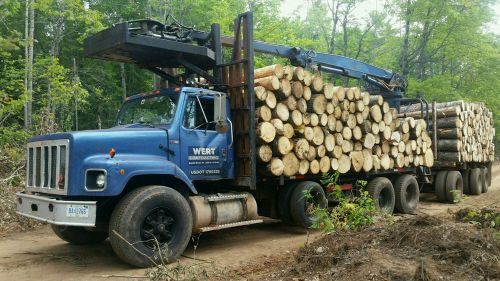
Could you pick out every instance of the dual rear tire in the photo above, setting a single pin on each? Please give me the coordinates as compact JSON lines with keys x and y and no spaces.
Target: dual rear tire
{"x":476,"y":180}
{"x":402,"y":197}
{"x":298,"y":200}
{"x":449,"y":186}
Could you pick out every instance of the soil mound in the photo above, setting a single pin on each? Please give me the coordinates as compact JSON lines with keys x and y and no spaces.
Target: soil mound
{"x":419,"y":248}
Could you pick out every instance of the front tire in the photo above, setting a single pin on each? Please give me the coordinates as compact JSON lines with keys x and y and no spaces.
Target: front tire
{"x":156,"y":220}
{"x":78,"y":235}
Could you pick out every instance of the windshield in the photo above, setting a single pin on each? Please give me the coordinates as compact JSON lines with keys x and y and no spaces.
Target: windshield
{"x":153,"y":110}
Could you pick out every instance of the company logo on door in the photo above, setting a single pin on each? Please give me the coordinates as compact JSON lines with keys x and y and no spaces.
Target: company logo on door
{"x":203,"y":156}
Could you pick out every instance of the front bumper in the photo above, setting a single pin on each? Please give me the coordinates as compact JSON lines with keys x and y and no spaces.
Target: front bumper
{"x":54,"y":211}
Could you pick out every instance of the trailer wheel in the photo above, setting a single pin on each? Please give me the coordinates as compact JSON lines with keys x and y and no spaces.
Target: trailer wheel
{"x":301,"y":206}
{"x":284,"y":195}
{"x":454,"y":186}
{"x":407,"y":194}
{"x":484,"y":176}
{"x":489,"y":174}
{"x":440,"y":186}
{"x":382,"y":192}
{"x":78,"y":235}
{"x":465,"y":179}
{"x":156,"y":220}
{"x":475,"y":181}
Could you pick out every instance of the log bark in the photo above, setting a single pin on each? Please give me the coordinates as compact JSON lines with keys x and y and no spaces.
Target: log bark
{"x":449,"y":145}
{"x":449,"y":122}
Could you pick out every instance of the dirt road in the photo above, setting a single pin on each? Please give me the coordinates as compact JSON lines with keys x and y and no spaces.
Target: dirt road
{"x":40,"y":255}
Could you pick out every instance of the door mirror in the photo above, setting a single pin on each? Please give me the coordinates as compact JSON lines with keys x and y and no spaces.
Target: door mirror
{"x":220,"y":116}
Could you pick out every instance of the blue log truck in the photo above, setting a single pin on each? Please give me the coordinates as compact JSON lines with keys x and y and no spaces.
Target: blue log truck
{"x":182,"y":160}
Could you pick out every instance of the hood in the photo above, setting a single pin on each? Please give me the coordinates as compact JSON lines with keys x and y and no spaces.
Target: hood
{"x":90,"y":150}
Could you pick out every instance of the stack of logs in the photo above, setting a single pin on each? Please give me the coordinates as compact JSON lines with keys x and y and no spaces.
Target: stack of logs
{"x":465,"y":131}
{"x":307,"y":126}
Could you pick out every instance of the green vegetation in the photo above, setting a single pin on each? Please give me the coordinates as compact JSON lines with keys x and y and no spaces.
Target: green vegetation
{"x":352,"y":211}
{"x":443,"y":47}
{"x":486,"y":218}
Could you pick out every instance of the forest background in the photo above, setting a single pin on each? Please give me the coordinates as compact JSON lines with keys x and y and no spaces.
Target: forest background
{"x":446,"y":49}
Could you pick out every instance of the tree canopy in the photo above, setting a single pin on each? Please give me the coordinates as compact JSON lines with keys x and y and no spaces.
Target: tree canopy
{"x":442,"y":47}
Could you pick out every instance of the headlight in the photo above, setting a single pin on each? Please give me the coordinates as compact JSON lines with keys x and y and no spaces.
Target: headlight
{"x":95,"y":180}
{"x":100,"y":180}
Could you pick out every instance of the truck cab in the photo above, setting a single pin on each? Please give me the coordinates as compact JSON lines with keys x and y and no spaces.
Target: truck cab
{"x":171,"y":141}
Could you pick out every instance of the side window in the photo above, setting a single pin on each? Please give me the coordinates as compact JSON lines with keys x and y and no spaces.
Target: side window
{"x":197,"y":111}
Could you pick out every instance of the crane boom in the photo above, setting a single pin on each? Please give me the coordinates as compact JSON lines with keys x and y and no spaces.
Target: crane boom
{"x":153,"y":45}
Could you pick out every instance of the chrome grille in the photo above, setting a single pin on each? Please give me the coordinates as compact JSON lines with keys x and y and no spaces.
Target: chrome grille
{"x":47,"y":167}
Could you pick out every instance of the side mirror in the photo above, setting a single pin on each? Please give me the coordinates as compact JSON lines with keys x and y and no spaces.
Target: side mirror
{"x":220,"y":116}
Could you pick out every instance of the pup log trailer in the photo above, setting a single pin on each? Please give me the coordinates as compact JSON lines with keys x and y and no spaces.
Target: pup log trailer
{"x":182,"y":160}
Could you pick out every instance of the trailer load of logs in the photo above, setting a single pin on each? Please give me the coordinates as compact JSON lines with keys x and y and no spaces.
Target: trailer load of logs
{"x":465,"y":131}
{"x":309,"y":126}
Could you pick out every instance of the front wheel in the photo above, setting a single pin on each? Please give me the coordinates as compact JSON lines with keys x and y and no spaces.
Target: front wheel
{"x":150,"y":225}
{"x":78,"y":235}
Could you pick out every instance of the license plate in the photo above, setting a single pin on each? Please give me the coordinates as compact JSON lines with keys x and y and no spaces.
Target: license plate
{"x":77,"y":211}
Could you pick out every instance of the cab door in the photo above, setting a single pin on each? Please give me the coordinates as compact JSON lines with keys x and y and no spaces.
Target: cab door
{"x":204,"y":151}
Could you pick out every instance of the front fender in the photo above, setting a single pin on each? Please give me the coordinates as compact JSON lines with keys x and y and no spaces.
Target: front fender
{"x":124,"y":167}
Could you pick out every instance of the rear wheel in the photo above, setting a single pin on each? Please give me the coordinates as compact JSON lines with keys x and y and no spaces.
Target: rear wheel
{"x":465,"y":179}
{"x":454,"y":187}
{"x":407,"y":194}
{"x":485,"y":176}
{"x":475,"y":181}
{"x":382,"y":192}
{"x":440,"y":185}
{"x":79,"y":235}
{"x":306,"y":196}
{"x":284,"y":195}
{"x":156,"y":220}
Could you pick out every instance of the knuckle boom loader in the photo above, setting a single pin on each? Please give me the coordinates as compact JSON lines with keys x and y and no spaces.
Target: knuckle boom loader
{"x":184,"y":159}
